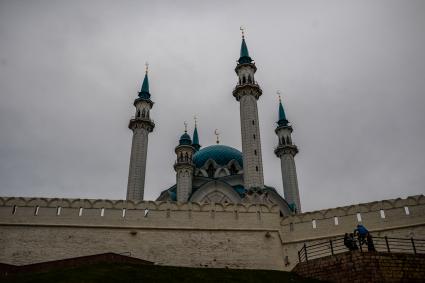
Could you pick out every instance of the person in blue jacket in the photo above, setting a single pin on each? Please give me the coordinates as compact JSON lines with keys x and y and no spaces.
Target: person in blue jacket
{"x":361,"y":233}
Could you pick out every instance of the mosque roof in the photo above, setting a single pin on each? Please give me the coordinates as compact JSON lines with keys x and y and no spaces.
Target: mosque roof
{"x":221,"y":154}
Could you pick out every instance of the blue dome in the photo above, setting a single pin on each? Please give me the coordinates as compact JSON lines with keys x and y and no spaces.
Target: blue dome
{"x":221,"y":154}
{"x":185,"y":139}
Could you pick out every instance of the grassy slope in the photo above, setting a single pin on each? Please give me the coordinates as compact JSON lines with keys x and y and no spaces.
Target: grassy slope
{"x":143,"y":273}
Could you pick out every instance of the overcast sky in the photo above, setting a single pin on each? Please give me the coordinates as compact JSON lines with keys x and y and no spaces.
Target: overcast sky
{"x":351,"y":73}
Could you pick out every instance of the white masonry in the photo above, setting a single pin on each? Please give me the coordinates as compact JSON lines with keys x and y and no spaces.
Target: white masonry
{"x":247,"y":92}
{"x":184,"y":171}
{"x":286,"y":151}
{"x":141,"y":125}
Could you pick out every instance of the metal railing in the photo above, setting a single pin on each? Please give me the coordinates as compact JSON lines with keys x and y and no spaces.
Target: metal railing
{"x":380,"y":244}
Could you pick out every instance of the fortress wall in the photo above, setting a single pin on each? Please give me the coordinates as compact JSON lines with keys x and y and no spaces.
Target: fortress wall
{"x":298,"y":229}
{"x":187,"y":234}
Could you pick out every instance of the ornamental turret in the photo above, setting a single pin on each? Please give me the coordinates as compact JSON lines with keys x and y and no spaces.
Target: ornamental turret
{"x":141,"y":125}
{"x":247,"y":92}
{"x":184,"y":167}
{"x":286,"y":151}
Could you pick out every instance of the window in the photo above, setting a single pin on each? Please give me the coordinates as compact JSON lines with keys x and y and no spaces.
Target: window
{"x":256,"y":168}
{"x":14,"y":209}
{"x":314,"y":223}
{"x":382,"y":212}
{"x":138,"y":114}
{"x":58,"y":210}
{"x":123,"y":212}
{"x":233,"y":170}
{"x":146,"y":212}
{"x":210,"y":171}
{"x":36,"y":210}
{"x":336,"y":222}
{"x":359,"y":217}
{"x":406,"y":210}
{"x":102,"y":212}
{"x":80,"y":212}
{"x":253,"y":136}
{"x":253,"y":122}
{"x":255,"y":151}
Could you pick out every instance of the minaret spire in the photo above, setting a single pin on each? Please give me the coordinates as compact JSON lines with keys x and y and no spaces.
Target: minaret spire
{"x":195,"y":142}
{"x":286,"y":151}
{"x":244,"y":54}
{"x":141,"y":125}
{"x":247,"y":92}
{"x":144,"y":91}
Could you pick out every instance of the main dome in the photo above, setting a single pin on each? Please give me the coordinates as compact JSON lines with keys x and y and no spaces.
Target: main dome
{"x":221,"y":154}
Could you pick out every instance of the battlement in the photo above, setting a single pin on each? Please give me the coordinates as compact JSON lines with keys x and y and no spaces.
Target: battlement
{"x":122,"y":213}
{"x":377,"y":216}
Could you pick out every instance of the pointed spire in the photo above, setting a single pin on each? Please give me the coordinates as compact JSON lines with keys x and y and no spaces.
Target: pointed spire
{"x":244,"y":55}
{"x":282,"y":117}
{"x":195,"y":142}
{"x":144,"y":92}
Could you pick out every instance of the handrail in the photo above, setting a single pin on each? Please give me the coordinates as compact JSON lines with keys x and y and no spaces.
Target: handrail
{"x":380,"y":244}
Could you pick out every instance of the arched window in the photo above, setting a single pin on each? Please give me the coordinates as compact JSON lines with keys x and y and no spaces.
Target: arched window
{"x":282,"y":140}
{"x":233,"y":170}
{"x":243,"y":79}
{"x":143,"y":113}
{"x":181,"y":156}
{"x":210,"y":171}
{"x":138,"y":114}
{"x":287,"y":140}
{"x":249,"y":79}
{"x":186,"y":157}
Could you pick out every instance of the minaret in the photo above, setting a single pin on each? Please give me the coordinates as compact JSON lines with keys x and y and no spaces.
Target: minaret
{"x":247,"y":92}
{"x":141,"y":125}
{"x":184,"y":167}
{"x":286,"y":151}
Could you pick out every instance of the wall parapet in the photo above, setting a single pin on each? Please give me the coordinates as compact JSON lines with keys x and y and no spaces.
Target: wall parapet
{"x":128,"y":204}
{"x":376,"y":216}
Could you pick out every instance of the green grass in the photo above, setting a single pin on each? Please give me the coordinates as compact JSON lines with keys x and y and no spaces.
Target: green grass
{"x":150,"y":273}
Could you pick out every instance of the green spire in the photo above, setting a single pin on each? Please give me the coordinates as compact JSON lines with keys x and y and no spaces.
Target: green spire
{"x":144,"y":91}
{"x":282,"y":117}
{"x":195,"y":142}
{"x":244,"y":58}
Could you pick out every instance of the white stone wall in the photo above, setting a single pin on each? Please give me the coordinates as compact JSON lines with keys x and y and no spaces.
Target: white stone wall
{"x":184,"y":176}
{"x":251,"y":142}
{"x":136,"y":175}
{"x":289,"y":180}
{"x":187,"y":234}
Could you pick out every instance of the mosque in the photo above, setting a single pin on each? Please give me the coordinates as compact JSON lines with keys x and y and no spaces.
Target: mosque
{"x":220,"y":173}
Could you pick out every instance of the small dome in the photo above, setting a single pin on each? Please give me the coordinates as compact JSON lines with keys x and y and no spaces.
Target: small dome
{"x":221,"y":154}
{"x":185,"y":139}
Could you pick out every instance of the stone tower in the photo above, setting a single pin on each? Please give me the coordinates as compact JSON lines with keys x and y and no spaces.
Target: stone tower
{"x":247,"y":92}
{"x":141,"y":125}
{"x":286,"y":151}
{"x":184,"y":167}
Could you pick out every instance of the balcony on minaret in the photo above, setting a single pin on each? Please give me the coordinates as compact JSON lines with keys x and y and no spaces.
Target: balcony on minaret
{"x":184,"y":159}
{"x":146,"y":122}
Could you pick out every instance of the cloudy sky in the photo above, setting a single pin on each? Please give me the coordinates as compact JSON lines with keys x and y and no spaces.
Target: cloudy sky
{"x":352,"y":76}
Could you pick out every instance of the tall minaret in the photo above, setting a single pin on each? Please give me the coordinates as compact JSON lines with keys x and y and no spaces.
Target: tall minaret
{"x":286,"y":151}
{"x":184,"y":167}
{"x":247,"y":92}
{"x":141,"y":125}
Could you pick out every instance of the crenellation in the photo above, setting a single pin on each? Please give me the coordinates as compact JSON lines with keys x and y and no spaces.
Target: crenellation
{"x":236,"y":235}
